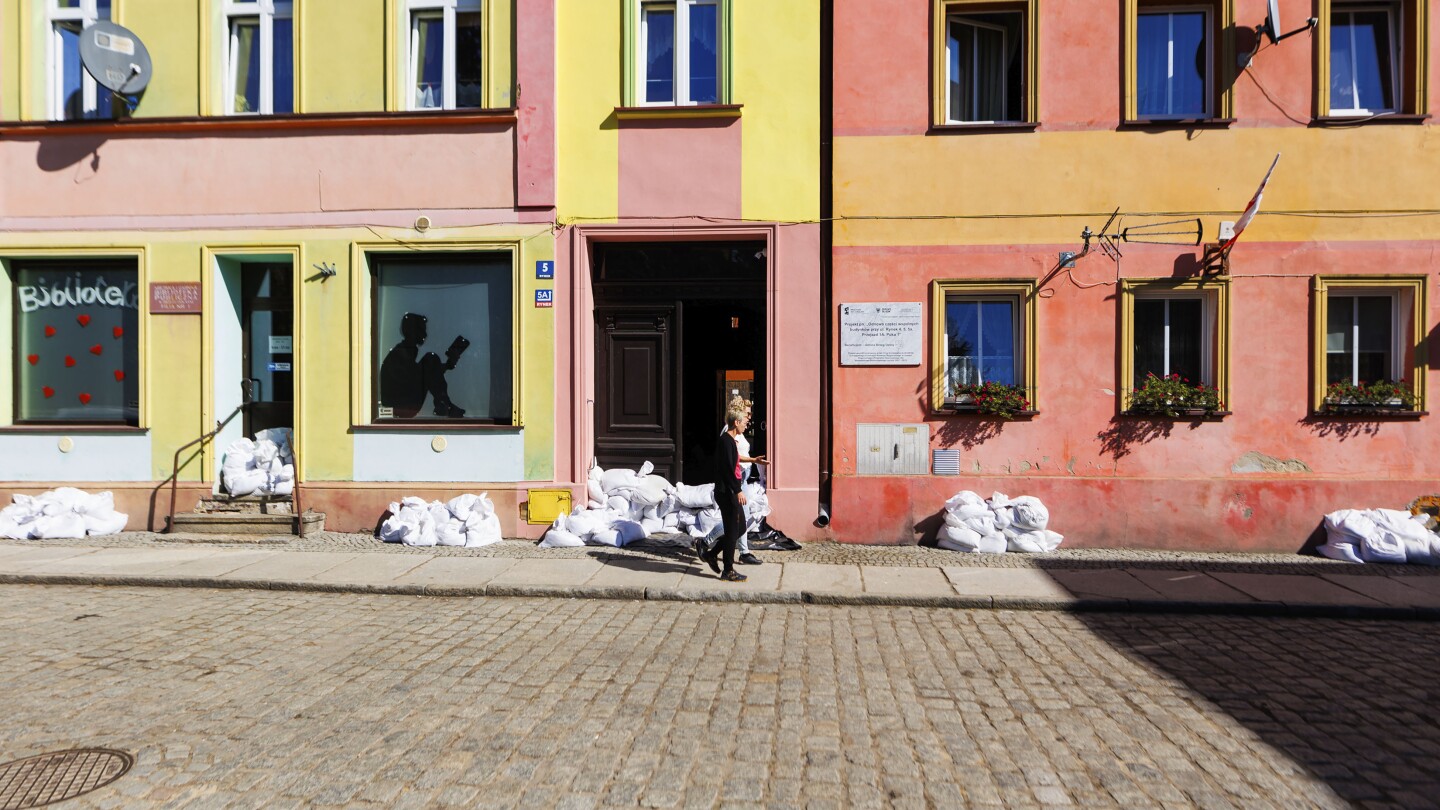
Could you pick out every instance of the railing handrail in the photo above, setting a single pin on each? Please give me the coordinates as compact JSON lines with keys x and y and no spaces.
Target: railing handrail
{"x":175,"y":466}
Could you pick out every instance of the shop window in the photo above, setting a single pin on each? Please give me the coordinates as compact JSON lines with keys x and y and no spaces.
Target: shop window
{"x":73,"y":93}
{"x":1175,"y":328}
{"x":76,"y":344}
{"x":444,"y":57}
{"x":259,"y":57}
{"x":443,"y":337}
{"x":1175,"y":56}
{"x":983,"y":332}
{"x":985,"y":62}
{"x":1370,"y":332}
{"x":1373,"y":57}
{"x":679,"y":52}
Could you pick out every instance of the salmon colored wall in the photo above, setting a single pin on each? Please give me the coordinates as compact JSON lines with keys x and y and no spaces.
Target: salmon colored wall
{"x":915,"y":206}
{"x":680,"y":168}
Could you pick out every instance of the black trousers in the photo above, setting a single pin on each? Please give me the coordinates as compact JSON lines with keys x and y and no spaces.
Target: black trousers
{"x":732,"y":516}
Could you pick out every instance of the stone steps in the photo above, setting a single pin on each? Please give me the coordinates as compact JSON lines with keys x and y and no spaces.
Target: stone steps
{"x":248,"y":524}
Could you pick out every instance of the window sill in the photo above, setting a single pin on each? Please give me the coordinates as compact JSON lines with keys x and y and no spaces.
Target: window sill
{"x":996,"y":126}
{"x":669,"y":111}
{"x":436,"y":426}
{"x":1366,"y":412}
{"x":239,"y":123}
{"x":1177,"y":123}
{"x":128,"y":430}
{"x":971,"y":410}
{"x":1185,"y":415}
{"x":1377,"y":118}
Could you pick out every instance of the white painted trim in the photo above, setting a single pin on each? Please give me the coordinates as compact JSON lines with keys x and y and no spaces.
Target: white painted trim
{"x":264,"y":12}
{"x":413,"y":9}
{"x":680,"y":51}
{"x":87,"y":14}
{"x":1396,"y":58}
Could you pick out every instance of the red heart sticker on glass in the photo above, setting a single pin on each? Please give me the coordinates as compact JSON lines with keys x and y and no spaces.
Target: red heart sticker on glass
{"x":118,"y":331}
{"x":48,"y":391}
{"x":84,"y":399}
{"x":96,"y":349}
{"x":49,"y":331}
{"x":83,"y":319}
{"x":34,"y":359}
{"x":69,"y":361}
{"x":119,"y":375}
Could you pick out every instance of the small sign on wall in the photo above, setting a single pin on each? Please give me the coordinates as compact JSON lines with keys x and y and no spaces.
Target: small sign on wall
{"x":886,"y":334}
{"x":544,"y":269}
{"x":544,"y":298}
{"x":175,"y":298}
{"x":281,"y":344}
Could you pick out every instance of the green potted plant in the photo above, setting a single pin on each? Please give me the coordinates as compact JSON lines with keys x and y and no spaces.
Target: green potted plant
{"x":1362,"y":396}
{"x":1174,"y":396}
{"x":992,"y":398}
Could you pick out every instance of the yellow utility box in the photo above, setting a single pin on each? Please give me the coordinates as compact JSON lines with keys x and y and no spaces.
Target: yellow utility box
{"x":547,"y":504}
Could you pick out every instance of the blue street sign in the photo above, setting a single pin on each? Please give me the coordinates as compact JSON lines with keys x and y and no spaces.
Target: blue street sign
{"x":544,"y":269}
{"x":544,"y":298}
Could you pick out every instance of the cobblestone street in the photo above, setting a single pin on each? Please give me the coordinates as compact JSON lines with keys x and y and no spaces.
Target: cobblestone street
{"x":242,"y":698}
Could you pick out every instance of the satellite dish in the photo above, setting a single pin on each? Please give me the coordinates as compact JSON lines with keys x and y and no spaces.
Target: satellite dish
{"x":116,"y":58}
{"x":1271,"y":28}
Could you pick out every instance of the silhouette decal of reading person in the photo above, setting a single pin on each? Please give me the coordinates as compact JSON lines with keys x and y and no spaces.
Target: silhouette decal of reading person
{"x":406,"y":377}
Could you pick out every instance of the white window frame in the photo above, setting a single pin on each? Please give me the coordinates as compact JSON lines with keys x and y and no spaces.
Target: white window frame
{"x":265,"y":11}
{"x":87,"y":14}
{"x":1397,"y":349}
{"x":1208,"y":370}
{"x":1396,"y":57}
{"x":1017,"y":335}
{"x":680,"y":50}
{"x":1209,"y":23}
{"x":447,"y":9}
{"x":966,"y":19}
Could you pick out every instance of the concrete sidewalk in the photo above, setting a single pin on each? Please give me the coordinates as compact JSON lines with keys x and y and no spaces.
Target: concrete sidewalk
{"x":1060,"y":583}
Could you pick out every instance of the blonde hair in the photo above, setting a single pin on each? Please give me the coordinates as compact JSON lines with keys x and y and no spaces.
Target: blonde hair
{"x":733,"y":416}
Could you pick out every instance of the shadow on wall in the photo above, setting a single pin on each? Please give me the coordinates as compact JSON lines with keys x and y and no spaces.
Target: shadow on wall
{"x":1340,"y":427}
{"x":57,"y":153}
{"x":1125,"y":433}
{"x":1346,"y":702}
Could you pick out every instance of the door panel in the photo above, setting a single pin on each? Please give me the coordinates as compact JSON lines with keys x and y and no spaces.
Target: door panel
{"x":269,"y":353}
{"x":636,"y":418}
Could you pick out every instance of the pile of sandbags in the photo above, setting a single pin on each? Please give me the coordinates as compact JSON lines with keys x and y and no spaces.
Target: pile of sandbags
{"x":623,"y":506}
{"x":265,"y":466}
{"x":66,"y":512}
{"x":1381,"y":535}
{"x":465,"y":520}
{"x":997,"y":525}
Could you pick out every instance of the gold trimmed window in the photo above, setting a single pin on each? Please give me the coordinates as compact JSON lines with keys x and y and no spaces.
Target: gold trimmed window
{"x":1369,"y":329}
{"x":1374,"y":58}
{"x":985,"y":62}
{"x":72,"y":325}
{"x":981,"y":332}
{"x":436,"y":335}
{"x":449,"y":54}
{"x":677,"y":53}
{"x":1174,"y":327}
{"x":1179,"y":60}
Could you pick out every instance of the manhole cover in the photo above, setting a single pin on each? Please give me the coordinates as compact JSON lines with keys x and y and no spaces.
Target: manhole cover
{"x":48,"y":778}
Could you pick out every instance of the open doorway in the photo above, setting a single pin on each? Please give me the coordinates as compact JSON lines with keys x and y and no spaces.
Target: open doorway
{"x":680,"y":327}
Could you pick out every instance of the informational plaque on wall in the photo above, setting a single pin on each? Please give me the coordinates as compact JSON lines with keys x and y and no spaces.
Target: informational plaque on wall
{"x":880,"y":334}
{"x":175,"y":298}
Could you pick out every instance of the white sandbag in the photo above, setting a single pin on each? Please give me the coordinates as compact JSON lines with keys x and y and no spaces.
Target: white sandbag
{"x":111,"y":522}
{"x":593,"y":490}
{"x":701,"y":497}
{"x":1034,"y":542}
{"x":1383,"y":547}
{"x":63,"y":525}
{"x":652,"y":525}
{"x":618,"y":504}
{"x":670,"y":521}
{"x":707,"y":519}
{"x":1340,"y":550}
{"x":482,"y":529}
{"x":283,"y":489}
{"x":629,"y":531}
{"x":265,"y":452}
{"x":281,"y":437}
{"x":68,"y":499}
{"x":449,"y":532}
{"x":646,"y":469}
{"x":10,"y":529}
{"x":461,"y":506}
{"x":239,"y":455}
{"x":595,"y":505}
{"x":958,"y":538}
{"x":617,"y":478}
{"x":245,"y":482}
{"x":994,"y":543}
{"x":603,"y":537}
{"x":1030,"y":514}
{"x":652,"y":489}
{"x":585,"y":522}
{"x":559,"y":538}
{"x":965,"y":498}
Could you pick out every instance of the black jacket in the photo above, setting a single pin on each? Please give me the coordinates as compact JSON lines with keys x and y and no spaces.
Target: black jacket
{"x":727,"y":458}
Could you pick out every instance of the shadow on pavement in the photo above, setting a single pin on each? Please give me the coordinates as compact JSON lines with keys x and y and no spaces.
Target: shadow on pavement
{"x":1351,"y":702}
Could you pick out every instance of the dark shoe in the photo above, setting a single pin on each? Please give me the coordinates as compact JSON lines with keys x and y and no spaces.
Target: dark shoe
{"x":712,"y":560}
{"x":733,"y":576}
{"x":750,"y":559}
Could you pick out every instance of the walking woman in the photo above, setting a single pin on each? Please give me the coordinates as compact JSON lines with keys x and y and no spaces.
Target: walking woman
{"x":728,"y":496}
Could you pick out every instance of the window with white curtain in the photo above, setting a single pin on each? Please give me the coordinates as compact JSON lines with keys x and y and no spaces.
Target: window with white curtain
{"x":1173,"y":335}
{"x":1173,"y":64}
{"x":1360,"y":338}
{"x":678,"y":52}
{"x":72,"y":92}
{"x":981,"y":338}
{"x":985,"y":58}
{"x":445,"y":54}
{"x":259,"y":57}
{"x":1364,"y":59}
